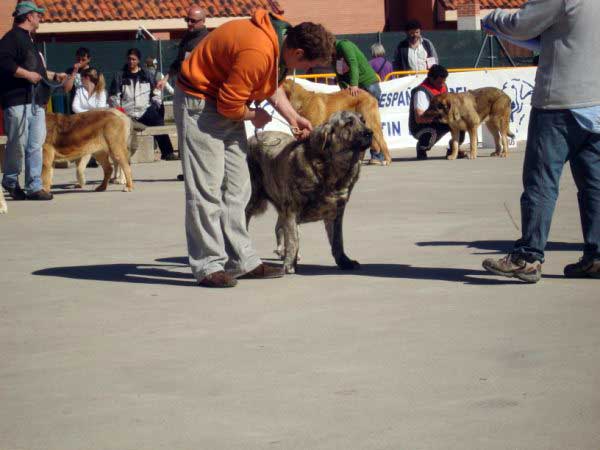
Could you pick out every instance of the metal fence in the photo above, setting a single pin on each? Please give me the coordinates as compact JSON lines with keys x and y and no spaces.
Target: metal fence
{"x":456,"y":49}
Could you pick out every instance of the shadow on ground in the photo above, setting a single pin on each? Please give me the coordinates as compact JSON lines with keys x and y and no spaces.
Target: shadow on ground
{"x":165,"y":274}
{"x":174,"y":271}
{"x":405,"y":271}
{"x":493,"y":247}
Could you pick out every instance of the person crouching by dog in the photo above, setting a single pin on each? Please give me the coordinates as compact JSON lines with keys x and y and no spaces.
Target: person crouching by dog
{"x":239,"y":62}
{"x":423,"y":128}
{"x":134,"y":90}
{"x":354,"y":72}
{"x":92,"y":93}
{"x":24,"y":92}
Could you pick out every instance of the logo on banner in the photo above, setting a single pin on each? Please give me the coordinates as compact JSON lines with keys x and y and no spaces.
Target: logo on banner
{"x":519,"y":91}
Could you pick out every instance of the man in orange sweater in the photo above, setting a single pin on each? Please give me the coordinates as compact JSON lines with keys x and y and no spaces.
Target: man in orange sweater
{"x":240,"y":62}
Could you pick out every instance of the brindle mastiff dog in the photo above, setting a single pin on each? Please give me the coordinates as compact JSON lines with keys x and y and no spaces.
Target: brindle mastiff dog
{"x":308,"y":181}
{"x":466,"y":111}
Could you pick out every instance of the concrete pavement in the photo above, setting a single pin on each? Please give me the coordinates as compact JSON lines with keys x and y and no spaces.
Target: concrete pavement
{"x":107,"y":343}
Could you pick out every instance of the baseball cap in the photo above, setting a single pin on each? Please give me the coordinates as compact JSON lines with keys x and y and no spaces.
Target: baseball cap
{"x":26,"y":7}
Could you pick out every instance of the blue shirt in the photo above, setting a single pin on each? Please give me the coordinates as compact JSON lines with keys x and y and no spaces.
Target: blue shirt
{"x":588,"y":118}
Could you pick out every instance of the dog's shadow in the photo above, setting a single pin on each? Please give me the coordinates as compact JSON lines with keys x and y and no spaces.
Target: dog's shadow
{"x":71,"y":188}
{"x":174,"y":271}
{"x":405,"y":271}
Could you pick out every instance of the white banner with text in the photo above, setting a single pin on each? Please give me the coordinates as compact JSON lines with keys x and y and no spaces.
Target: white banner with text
{"x":395,"y":101}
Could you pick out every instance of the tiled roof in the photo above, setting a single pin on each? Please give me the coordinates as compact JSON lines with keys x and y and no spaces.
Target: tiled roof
{"x":485,"y":4}
{"x":98,"y":10}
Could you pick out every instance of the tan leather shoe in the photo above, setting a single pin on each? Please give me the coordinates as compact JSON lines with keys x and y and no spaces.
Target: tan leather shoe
{"x":264,"y":271}
{"x":220,"y":279}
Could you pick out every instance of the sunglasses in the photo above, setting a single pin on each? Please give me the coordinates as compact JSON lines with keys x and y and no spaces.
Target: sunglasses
{"x":192,"y":21}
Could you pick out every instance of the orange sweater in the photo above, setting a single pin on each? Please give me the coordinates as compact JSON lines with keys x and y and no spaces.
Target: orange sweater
{"x":235,"y":64}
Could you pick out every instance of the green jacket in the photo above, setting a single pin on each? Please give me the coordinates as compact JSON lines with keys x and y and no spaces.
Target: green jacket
{"x":360,"y":72}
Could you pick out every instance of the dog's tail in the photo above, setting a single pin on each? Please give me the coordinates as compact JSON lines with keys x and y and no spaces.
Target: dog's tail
{"x":258,"y":200}
{"x":127,"y":125}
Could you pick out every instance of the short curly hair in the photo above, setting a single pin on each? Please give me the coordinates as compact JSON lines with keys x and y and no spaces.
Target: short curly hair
{"x":314,"y":39}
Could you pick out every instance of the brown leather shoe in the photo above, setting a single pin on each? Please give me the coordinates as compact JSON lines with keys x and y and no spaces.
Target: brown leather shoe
{"x":220,"y":279}
{"x":264,"y":271}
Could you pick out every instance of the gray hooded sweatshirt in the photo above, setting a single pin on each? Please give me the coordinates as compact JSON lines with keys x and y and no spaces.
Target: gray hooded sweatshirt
{"x":568,"y":74}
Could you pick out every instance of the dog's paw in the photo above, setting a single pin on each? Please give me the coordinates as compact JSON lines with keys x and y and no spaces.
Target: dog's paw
{"x":279,"y":252}
{"x":494,"y":154}
{"x":346,"y":263}
{"x":3,"y":209}
{"x":126,"y":189}
{"x":78,"y":186}
{"x":289,"y":268}
{"x":100,"y":188}
{"x":451,"y":157}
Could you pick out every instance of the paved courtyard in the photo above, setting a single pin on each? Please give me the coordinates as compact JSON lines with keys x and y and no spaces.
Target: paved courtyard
{"x":106,"y":342}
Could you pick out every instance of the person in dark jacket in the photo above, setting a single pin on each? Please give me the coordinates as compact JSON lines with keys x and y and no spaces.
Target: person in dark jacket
{"x":420,"y":126}
{"x":196,"y":16}
{"x":24,"y":92}
{"x":415,"y":52}
{"x":135,"y":91}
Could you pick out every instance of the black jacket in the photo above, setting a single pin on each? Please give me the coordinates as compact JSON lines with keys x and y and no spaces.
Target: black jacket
{"x":187,"y":44}
{"x":18,"y":50}
{"x":401,"y":56}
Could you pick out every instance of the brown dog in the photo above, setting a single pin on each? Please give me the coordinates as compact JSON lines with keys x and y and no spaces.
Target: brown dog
{"x":308,"y":181}
{"x":103,"y":133}
{"x":466,"y":111}
{"x":318,"y":106}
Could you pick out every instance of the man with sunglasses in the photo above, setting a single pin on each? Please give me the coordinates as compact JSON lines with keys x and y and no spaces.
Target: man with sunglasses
{"x":196,"y":31}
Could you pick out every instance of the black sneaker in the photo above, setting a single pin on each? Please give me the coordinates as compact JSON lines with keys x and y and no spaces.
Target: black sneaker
{"x":16,"y":192}
{"x":585,"y":268}
{"x":40,"y":195}
{"x":171,"y":157}
{"x":422,"y":154}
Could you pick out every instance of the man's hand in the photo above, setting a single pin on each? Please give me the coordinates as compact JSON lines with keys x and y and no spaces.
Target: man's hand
{"x":302,"y":128}
{"x":261,"y":118}
{"x":160,"y":84}
{"x":353,"y":90}
{"x":33,"y":77}
{"x":61,"y":77}
{"x":76,"y":67}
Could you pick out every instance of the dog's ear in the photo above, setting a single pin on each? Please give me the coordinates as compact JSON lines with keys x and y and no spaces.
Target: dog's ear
{"x":325,"y":137}
{"x":453,"y":111}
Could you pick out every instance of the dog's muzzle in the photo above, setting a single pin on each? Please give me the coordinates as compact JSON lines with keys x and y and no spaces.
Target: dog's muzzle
{"x":364,"y":139}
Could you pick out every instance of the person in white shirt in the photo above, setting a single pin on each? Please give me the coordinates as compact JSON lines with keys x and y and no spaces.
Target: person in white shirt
{"x":415,"y":52}
{"x":92,"y":93}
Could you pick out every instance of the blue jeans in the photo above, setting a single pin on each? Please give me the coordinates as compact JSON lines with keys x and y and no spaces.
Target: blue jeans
{"x":555,"y":137}
{"x":375,"y":90}
{"x":25,"y":128}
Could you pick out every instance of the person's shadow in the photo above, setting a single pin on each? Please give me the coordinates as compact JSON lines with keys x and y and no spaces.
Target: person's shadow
{"x":494,"y":247}
{"x":174,"y":271}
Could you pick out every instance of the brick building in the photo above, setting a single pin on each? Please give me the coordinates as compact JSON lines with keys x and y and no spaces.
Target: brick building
{"x":89,"y":20}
